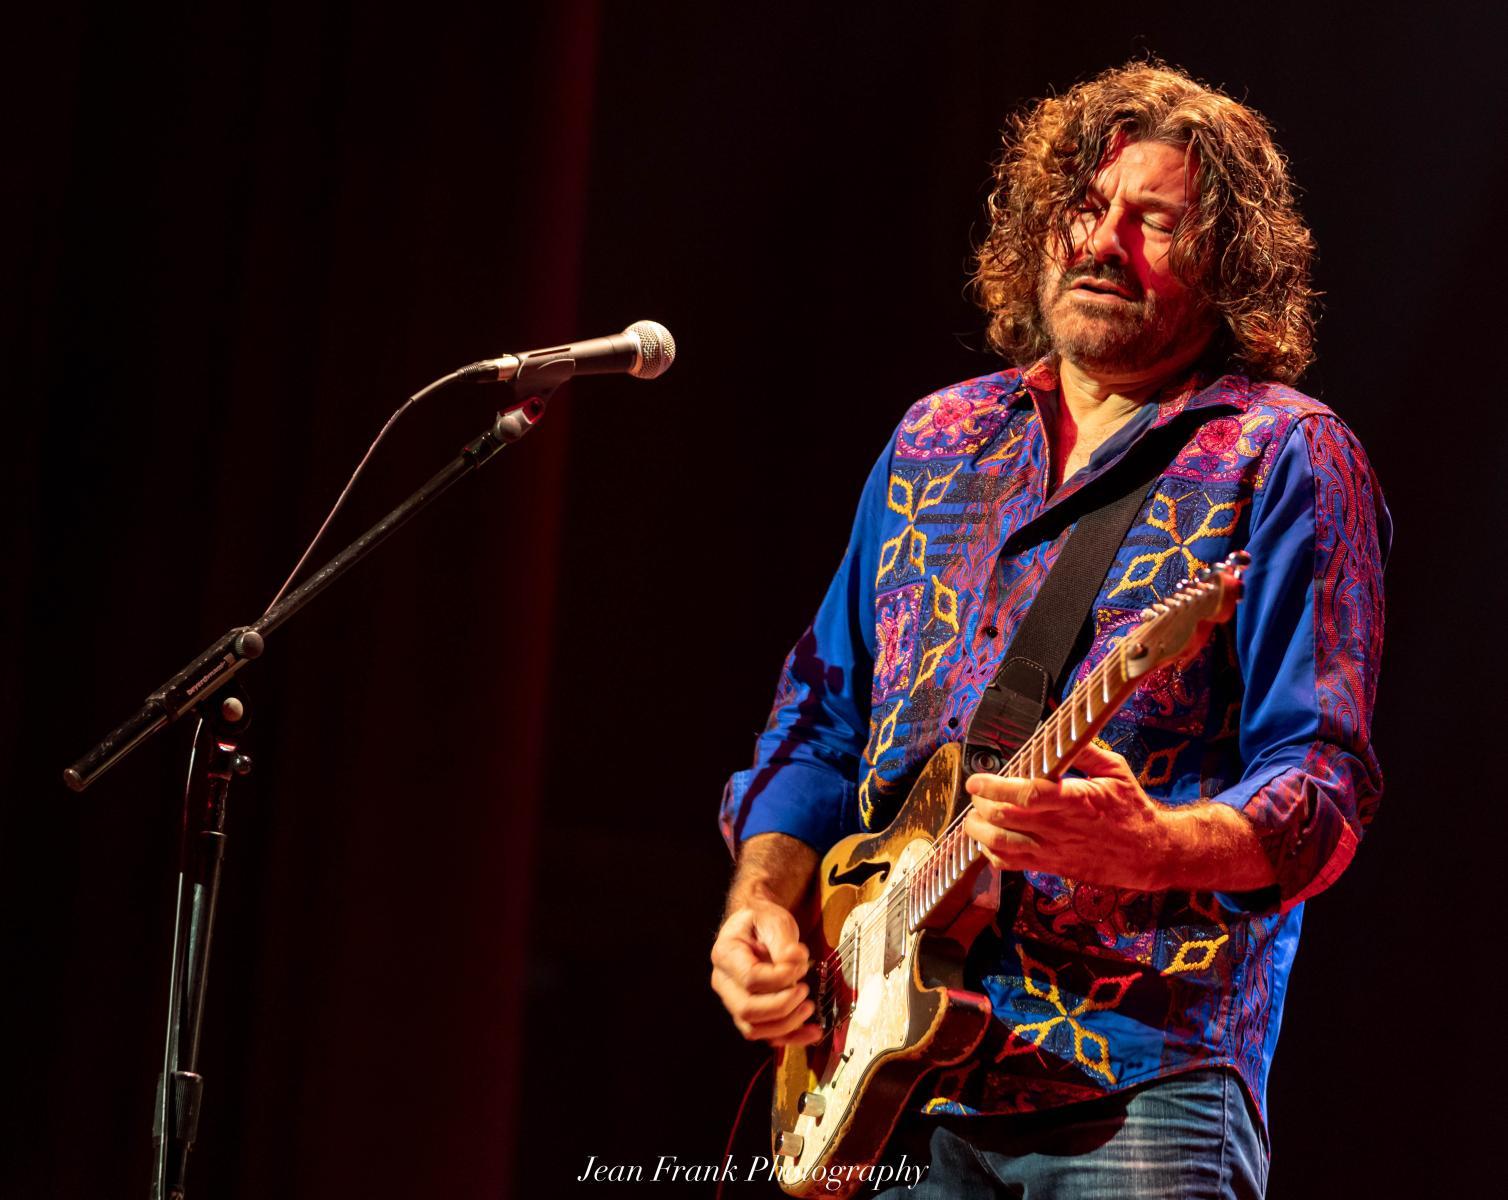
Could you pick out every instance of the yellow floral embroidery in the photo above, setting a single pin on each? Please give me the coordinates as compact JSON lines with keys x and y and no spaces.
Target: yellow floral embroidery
{"x":1219,"y":521}
{"x":1042,"y":982}
{"x":1158,"y":769}
{"x":929,"y":663}
{"x":1198,"y":954}
{"x":944,"y":604}
{"x":902,"y":498}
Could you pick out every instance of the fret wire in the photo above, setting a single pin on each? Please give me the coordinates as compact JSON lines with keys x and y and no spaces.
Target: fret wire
{"x":1029,"y":750}
{"x":1109,"y":675}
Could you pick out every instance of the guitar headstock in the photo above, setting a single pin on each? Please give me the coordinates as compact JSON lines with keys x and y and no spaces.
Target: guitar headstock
{"x":1175,"y":628}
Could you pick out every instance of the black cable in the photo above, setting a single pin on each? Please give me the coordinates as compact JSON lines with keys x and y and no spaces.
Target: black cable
{"x":356,"y":474}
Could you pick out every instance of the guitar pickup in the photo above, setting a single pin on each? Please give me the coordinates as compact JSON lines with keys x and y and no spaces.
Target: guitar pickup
{"x":826,"y":991}
{"x":895,"y":934}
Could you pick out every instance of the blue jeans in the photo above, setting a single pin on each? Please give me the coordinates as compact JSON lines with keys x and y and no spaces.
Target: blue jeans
{"x":1188,"y":1137}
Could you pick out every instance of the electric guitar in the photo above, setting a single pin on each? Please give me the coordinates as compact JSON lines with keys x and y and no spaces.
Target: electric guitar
{"x":900,"y":908}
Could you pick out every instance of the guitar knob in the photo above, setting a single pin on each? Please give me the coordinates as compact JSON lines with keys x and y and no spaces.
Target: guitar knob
{"x":788,"y":1145}
{"x":811,"y":1104}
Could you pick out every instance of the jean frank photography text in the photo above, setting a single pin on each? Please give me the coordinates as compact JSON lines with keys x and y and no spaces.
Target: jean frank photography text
{"x":756,"y":1168}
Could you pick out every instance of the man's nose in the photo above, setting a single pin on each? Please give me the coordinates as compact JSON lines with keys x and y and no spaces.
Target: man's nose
{"x":1104,"y":240}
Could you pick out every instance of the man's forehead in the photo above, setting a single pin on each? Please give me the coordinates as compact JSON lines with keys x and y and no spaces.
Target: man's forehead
{"x":1153,"y":173}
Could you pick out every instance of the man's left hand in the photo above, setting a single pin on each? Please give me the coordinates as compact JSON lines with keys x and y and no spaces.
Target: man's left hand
{"x":1101,"y":829}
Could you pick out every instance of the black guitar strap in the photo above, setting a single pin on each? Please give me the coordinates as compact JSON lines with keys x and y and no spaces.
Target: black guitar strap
{"x":1013,"y":704}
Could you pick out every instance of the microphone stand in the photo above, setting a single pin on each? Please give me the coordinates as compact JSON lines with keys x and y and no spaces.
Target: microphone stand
{"x":204,"y":686}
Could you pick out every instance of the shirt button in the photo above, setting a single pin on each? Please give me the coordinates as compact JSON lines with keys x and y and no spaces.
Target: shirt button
{"x":991,"y":631}
{"x":952,"y":722}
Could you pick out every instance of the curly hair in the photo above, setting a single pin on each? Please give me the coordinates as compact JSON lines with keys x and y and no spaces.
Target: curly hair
{"x":1243,"y":248}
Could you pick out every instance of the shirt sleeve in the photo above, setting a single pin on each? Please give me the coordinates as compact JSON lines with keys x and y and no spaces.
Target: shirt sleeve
{"x":806,"y":762}
{"x":1309,"y":638}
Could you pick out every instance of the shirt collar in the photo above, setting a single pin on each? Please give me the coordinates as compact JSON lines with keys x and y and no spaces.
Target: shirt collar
{"x":1197,"y":390}
{"x":1037,"y":386}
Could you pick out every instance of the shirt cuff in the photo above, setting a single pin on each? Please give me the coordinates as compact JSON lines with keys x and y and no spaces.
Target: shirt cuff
{"x":1302,"y":831}
{"x":797,"y":799}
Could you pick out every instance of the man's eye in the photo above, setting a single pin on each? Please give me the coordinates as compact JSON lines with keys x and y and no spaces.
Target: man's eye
{"x":1158,"y":226}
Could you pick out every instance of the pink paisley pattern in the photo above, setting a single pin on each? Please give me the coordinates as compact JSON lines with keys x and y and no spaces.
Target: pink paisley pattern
{"x":1072,"y":910}
{"x":896,"y":617}
{"x":1348,"y":588}
{"x":955,"y":421}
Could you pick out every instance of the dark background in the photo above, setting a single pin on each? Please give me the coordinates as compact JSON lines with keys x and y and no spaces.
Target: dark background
{"x":472,"y":882}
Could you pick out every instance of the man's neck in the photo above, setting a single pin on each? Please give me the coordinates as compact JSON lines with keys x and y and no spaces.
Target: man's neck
{"x":1092,"y":399}
{"x":1094,"y":404}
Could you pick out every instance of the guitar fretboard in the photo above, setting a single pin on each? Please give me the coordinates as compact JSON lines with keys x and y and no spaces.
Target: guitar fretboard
{"x":1172,"y":626}
{"x":1047,"y":754}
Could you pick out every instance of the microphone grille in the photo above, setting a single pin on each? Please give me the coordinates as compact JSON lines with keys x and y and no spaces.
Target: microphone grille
{"x":656,"y":349}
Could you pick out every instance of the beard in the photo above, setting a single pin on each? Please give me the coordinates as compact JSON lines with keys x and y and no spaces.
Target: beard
{"x":1127,"y":336}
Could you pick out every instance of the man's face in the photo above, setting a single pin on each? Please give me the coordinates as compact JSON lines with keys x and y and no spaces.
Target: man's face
{"x":1115,"y":305}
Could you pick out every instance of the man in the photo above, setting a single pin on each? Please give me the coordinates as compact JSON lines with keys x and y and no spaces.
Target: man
{"x":1147,"y":268}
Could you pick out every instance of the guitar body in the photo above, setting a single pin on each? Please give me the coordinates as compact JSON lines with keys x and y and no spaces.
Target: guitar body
{"x":899,"y":1005}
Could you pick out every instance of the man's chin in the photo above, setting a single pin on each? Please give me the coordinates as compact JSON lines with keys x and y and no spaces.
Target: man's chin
{"x":1099,"y":349}
{"x":1100,"y":362}
{"x":1109,"y":341}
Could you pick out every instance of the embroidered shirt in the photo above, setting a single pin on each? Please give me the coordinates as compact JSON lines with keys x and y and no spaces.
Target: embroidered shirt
{"x":1095,"y":989}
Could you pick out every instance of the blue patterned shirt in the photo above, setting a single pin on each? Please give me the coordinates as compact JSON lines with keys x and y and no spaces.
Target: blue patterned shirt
{"x":1095,"y":989}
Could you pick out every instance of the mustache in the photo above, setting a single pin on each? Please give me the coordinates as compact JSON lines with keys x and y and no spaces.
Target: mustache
{"x":1108,"y":271}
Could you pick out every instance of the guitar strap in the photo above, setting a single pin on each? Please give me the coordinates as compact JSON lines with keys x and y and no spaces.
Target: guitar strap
{"x":1014,"y":702}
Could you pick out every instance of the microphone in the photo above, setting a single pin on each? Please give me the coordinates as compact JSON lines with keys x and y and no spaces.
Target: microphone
{"x":644,"y":350}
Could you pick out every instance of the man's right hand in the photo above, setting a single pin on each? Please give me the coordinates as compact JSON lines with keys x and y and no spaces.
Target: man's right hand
{"x":758,"y":971}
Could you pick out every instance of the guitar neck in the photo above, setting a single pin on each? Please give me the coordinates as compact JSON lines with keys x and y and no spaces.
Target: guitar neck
{"x":1050,"y":751}
{"x":1047,"y":754}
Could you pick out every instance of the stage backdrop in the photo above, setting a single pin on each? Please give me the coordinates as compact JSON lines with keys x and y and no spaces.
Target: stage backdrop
{"x":474,"y":876}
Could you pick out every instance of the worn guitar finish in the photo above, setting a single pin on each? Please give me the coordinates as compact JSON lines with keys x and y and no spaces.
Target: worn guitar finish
{"x":900,"y":908}
{"x":909,"y":1012}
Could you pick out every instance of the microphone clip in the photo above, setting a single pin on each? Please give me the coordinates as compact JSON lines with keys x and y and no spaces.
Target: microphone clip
{"x":534,"y":376}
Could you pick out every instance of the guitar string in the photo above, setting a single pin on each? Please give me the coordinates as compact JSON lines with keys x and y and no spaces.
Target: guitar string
{"x":898,"y":904}
{"x":1028,"y":755}
{"x":944,"y":847}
